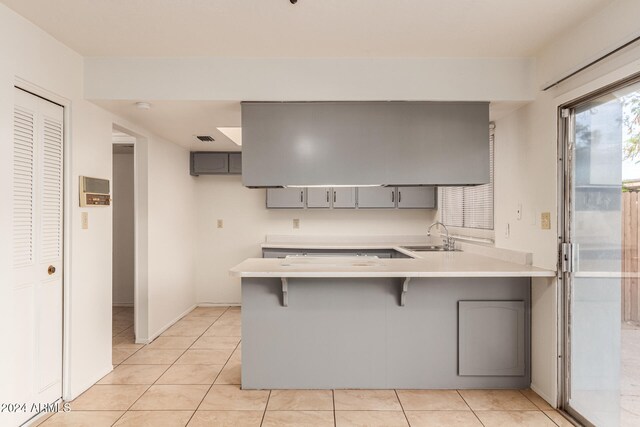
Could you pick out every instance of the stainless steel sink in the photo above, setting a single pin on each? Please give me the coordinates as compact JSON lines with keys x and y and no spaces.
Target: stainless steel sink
{"x":429,"y":248}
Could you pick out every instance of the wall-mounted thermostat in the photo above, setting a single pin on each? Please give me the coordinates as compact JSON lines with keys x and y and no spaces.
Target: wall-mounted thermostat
{"x":94,"y":192}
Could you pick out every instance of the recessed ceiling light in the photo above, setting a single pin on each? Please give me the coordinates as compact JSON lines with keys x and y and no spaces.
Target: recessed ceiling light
{"x":233,"y":133}
{"x":143,"y":105}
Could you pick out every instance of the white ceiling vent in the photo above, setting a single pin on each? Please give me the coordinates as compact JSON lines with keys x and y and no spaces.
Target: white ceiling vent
{"x":205,"y":138}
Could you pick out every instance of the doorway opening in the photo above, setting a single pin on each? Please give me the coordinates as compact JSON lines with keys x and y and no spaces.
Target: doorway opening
{"x":601,"y":231}
{"x":124,"y":247}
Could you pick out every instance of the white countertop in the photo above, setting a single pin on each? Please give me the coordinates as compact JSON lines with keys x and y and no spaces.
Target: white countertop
{"x":426,"y":264}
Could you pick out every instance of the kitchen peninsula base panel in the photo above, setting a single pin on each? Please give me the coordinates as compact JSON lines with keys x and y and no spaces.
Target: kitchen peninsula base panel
{"x":452,"y":333}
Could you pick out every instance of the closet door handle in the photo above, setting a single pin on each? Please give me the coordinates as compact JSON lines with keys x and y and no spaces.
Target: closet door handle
{"x":327,"y":196}
{"x":399,"y":196}
{"x":393,"y":196}
{"x":301,"y":196}
{"x":334,"y":196}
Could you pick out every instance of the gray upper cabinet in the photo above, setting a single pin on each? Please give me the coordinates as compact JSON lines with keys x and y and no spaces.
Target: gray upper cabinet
{"x":491,"y":338}
{"x":416,"y":197}
{"x":343,"y":197}
{"x":285,"y":198}
{"x":365,"y":143}
{"x":377,"y":197}
{"x":235,"y":163}
{"x":319,"y":197}
{"x":207,"y":163}
{"x":215,"y":163}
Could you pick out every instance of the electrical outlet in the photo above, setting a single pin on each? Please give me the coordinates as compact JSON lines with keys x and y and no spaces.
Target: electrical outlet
{"x":84,"y":220}
{"x":220,"y":223}
{"x":296,"y":223}
{"x":545,"y":220}
{"x":519,"y":212}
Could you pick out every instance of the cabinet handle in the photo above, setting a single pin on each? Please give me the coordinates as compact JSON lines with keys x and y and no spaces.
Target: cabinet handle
{"x":399,"y":196}
{"x":327,"y":196}
{"x":393,"y":196}
{"x":301,"y":196}
{"x":334,"y":196}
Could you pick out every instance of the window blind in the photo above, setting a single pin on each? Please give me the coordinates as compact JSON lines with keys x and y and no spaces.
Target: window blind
{"x":469,"y":207}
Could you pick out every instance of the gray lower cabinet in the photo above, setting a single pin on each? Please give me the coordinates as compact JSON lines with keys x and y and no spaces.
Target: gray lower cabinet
{"x":491,"y":338}
{"x":377,"y":197}
{"x":416,"y":197}
{"x":208,"y":163}
{"x":235,"y":163}
{"x":319,"y":197}
{"x":344,"y":197}
{"x":285,"y":198}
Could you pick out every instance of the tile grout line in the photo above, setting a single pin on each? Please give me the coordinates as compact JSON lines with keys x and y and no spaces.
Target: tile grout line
{"x":170,"y":365}
{"x":402,"y":407}
{"x":219,"y":372}
{"x":539,"y":409}
{"x":470,"y":408}
{"x":264,"y":413}
{"x":333,"y":399}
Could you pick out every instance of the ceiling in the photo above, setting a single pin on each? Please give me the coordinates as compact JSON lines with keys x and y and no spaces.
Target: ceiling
{"x":180,"y":121}
{"x":311,"y":28}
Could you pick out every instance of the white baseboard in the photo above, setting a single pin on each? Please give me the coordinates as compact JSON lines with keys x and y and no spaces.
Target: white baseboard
{"x":543,"y":395}
{"x":84,"y":387}
{"x":218,"y":304}
{"x":167,"y":326}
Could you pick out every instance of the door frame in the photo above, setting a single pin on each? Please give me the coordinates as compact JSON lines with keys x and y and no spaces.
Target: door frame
{"x":140,"y":207}
{"x":67,"y":205}
{"x":566,"y":127}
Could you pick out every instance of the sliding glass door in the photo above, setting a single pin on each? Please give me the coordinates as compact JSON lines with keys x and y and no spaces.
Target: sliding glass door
{"x":600,"y":257}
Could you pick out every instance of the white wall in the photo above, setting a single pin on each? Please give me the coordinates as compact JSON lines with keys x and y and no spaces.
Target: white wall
{"x":50,"y":68}
{"x":317,"y":79}
{"x":123,"y":270}
{"x":172,"y":233}
{"x":30,"y":54}
{"x":526,"y":162}
{"x":247,"y":221}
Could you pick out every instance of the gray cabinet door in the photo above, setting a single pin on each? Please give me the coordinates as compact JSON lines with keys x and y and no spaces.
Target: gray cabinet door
{"x":491,"y":338}
{"x":377,"y":197}
{"x":207,"y":163}
{"x":235,"y":163}
{"x":285,"y":198}
{"x":416,"y":197}
{"x":344,"y":197}
{"x":319,"y":197}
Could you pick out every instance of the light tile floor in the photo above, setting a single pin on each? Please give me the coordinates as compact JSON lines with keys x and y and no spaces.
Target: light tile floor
{"x":191,"y":376}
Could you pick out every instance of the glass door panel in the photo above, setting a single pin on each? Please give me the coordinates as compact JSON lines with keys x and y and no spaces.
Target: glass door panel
{"x":600,"y":148}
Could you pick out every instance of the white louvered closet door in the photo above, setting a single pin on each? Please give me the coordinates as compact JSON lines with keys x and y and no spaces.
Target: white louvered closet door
{"x":37,"y":245}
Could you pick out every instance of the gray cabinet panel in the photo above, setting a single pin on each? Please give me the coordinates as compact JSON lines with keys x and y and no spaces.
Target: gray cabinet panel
{"x":416,"y":197}
{"x":364,"y":143}
{"x":344,"y":197}
{"x":285,"y":198}
{"x":319,"y":197}
{"x":209,"y":163}
{"x":376,"y":197}
{"x":491,"y":338}
{"x":235,"y":163}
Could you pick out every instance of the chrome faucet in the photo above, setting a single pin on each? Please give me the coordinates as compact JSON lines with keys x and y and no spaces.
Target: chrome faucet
{"x":448,"y":242}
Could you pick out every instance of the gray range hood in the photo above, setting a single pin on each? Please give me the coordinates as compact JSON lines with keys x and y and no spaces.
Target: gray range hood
{"x":364,"y":143}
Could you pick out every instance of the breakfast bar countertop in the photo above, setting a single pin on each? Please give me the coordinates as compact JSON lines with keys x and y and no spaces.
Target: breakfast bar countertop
{"x":425,"y":264}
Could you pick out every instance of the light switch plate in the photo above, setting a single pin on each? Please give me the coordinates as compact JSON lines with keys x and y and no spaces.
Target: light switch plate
{"x":220,"y":223}
{"x":545,"y":220}
{"x":84,"y":220}
{"x":296,"y":223}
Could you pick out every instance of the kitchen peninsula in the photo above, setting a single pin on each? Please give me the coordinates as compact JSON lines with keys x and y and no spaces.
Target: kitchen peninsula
{"x":383,"y":315}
